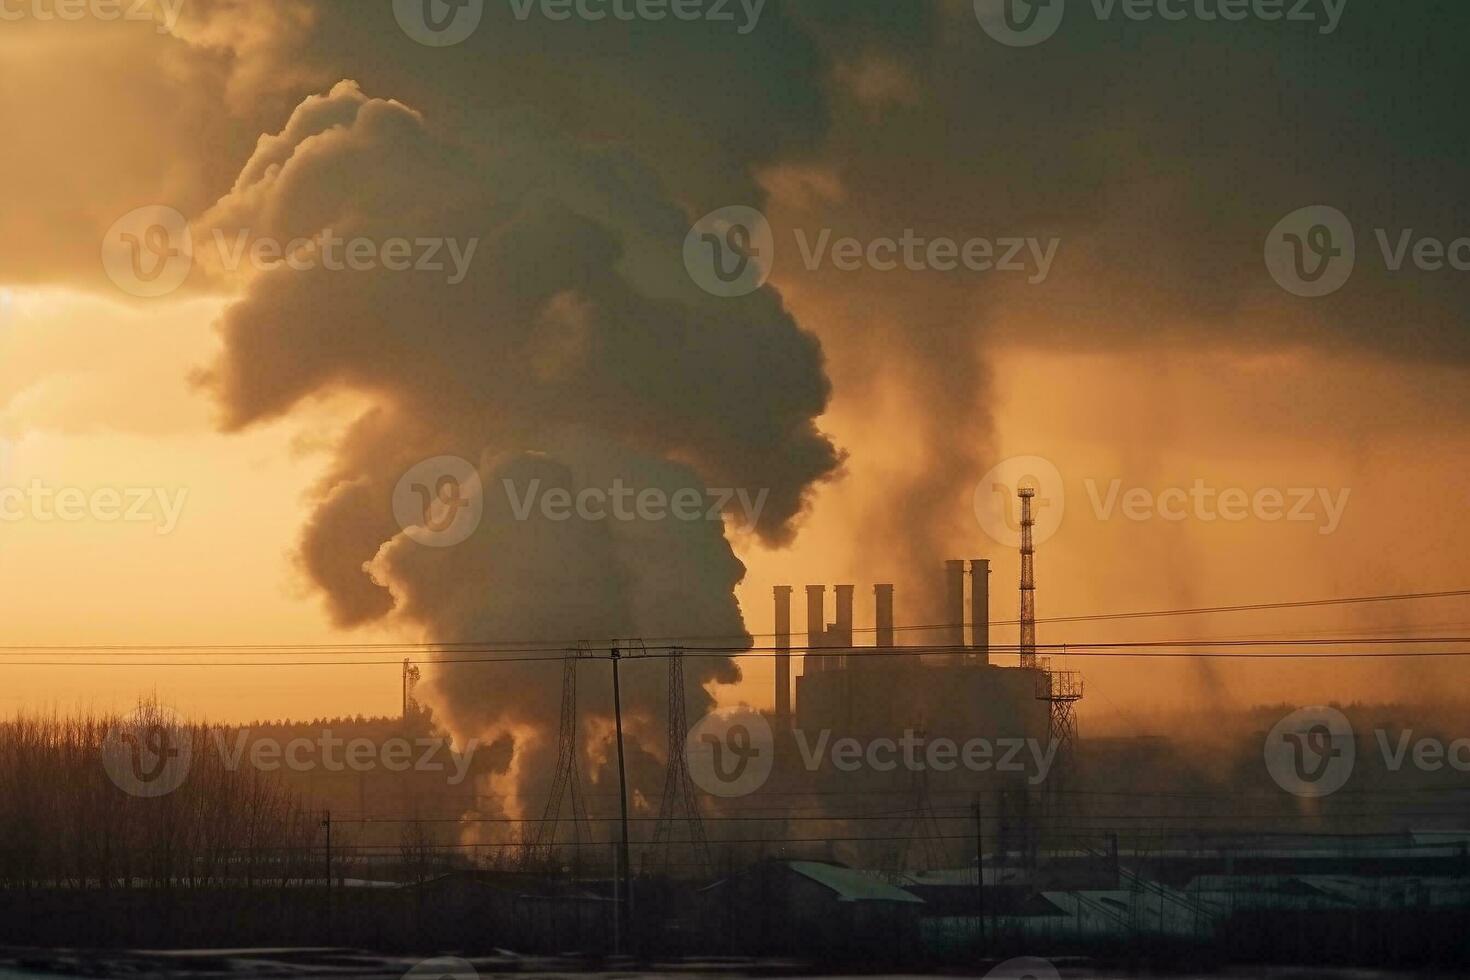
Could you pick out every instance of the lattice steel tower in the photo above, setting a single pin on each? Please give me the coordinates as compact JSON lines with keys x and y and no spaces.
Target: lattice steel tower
{"x":1028,"y":579}
{"x":919,"y":841}
{"x":679,"y":793}
{"x":567,"y":780}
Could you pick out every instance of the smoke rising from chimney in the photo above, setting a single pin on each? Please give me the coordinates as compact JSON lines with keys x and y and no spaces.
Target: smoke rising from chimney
{"x":575,"y":353}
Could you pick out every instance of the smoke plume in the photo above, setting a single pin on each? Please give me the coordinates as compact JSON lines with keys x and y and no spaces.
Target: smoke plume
{"x":574,"y":354}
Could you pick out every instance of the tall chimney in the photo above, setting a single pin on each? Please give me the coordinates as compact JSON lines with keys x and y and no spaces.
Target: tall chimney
{"x":783,"y":653}
{"x":954,"y":610}
{"x":816,"y":626}
{"x":980,"y":609}
{"x":844,"y":616}
{"x":883,"y":609}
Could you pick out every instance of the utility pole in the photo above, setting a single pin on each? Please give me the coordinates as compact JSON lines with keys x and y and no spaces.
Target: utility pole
{"x":979,"y":870}
{"x":327,"y":823}
{"x":624,"y":881}
{"x":617,"y":917}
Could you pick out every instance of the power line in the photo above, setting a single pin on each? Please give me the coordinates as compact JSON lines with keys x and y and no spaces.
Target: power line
{"x":558,"y":646}
{"x":1132,"y":651}
{"x":558,"y":656}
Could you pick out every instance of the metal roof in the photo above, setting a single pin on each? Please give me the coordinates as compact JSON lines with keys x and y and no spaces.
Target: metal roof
{"x":852,"y":886}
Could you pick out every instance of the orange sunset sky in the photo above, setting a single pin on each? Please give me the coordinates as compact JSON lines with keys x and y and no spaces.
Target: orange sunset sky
{"x":1158,"y":354}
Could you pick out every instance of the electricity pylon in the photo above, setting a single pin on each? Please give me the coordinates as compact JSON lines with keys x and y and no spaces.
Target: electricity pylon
{"x":679,"y":794}
{"x":567,"y":780}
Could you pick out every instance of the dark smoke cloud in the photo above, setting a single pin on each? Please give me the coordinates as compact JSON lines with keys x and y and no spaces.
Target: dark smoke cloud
{"x":574,"y":354}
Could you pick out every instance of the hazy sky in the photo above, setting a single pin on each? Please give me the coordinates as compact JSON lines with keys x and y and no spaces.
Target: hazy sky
{"x":259,"y":419}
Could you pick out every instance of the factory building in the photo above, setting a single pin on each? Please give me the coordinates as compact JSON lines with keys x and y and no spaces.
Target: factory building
{"x":946,"y":687}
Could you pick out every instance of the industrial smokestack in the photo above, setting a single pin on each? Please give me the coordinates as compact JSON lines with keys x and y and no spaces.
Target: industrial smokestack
{"x":980,"y":609}
{"x":843,"y":636}
{"x":783,"y":653}
{"x":883,"y":614}
{"x":1028,"y":579}
{"x":954,"y":609}
{"x":816,"y":626}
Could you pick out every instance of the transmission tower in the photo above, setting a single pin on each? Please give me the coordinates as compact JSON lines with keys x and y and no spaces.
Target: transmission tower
{"x":1061,"y":690}
{"x":567,"y":780}
{"x":1028,"y":579}
{"x":919,"y":844}
{"x":679,"y":794}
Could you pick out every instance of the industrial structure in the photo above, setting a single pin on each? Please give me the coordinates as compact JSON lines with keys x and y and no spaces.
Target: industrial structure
{"x":946,"y":687}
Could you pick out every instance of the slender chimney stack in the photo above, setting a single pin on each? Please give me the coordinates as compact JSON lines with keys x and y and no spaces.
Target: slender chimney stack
{"x":954,"y":610}
{"x":883,"y":614}
{"x":783,"y":653}
{"x":816,"y":626}
{"x":1028,"y":580}
{"x":980,"y":609}
{"x":844,"y":616}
